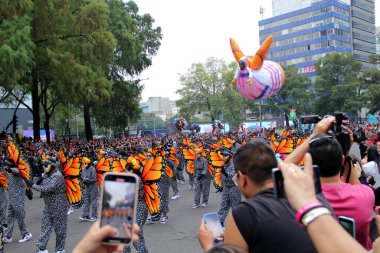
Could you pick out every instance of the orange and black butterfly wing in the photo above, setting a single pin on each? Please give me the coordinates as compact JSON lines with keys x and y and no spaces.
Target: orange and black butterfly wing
{"x":274,"y":145}
{"x":286,"y":133}
{"x":174,"y":159}
{"x":71,"y":172}
{"x":210,"y":169}
{"x":189,"y":168}
{"x":74,"y":192}
{"x":62,"y":157}
{"x":22,"y":166}
{"x":152,"y":169}
{"x":300,"y":141}
{"x":188,"y":154}
{"x":102,"y":167}
{"x":133,"y":163}
{"x":272,"y":136}
{"x":227,"y":143}
{"x":286,"y":146}
{"x":168,"y":171}
{"x":216,"y":159}
{"x":3,"y":181}
{"x":217,"y":179}
{"x":152,"y":198}
{"x":119,"y":165}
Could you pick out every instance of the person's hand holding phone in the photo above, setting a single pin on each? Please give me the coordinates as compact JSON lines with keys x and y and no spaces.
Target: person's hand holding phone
{"x":299,"y":184}
{"x":206,"y":237}
{"x":92,"y":242}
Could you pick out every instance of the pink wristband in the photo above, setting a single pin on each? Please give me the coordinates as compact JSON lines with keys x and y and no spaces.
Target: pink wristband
{"x":305,"y":209}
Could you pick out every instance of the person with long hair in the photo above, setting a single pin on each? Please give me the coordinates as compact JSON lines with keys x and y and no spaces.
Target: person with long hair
{"x":372,"y":168}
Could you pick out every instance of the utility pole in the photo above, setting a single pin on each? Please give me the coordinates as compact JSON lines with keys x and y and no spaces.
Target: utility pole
{"x":260,"y":113}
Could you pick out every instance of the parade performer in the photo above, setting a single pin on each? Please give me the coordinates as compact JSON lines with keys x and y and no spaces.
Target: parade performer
{"x":202,"y":182}
{"x":18,"y":171}
{"x":54,"y":216}
{"x":149,"y":169}
{"x":90,"y":195}
{"x":173,"y":182}
{"x":180,"y":177}
{"x":230,"y":194}
{"x":3,"y":198}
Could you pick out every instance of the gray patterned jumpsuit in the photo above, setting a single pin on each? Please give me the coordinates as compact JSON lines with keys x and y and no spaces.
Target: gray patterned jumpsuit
{"x":16,"y":205}
{"x":91,"y":192}
{"x":54,"y":215}
{"x":173,"y":181}
{"x":231,"y":194}
{"x":141,"y":216}
{"x":163,"y":189}
{"x":202,"y":181}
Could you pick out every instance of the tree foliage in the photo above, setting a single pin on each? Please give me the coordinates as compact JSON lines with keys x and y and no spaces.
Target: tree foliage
{"x":82,"y":53}
{"x":337,"y":84}
{"x":294,"y":94}
{"x":202,"y":86}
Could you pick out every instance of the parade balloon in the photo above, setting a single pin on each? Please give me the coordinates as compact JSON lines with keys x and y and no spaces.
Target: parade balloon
{"x":257,"y":78}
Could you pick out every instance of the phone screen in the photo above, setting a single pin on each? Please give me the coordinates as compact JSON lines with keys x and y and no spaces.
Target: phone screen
{"x":348,"y":224}
{"x":213,"y":223}
{"x":119,"y":205}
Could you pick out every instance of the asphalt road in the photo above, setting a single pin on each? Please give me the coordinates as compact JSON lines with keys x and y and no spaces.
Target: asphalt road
{"x":178,"y":235}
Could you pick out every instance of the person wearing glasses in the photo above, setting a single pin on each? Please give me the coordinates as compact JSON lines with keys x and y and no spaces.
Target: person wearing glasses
{"x":263,"y":223}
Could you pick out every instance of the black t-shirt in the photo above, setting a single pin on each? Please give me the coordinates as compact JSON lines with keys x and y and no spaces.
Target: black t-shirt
{"x":268,"y":224}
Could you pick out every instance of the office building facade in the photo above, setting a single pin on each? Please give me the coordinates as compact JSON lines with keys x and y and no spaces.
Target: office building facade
{"x":306,"y":30}
{"x":378,"y":40}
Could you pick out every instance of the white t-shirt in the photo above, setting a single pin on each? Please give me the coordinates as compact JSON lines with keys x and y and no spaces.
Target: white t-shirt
{"x":371,"y":169}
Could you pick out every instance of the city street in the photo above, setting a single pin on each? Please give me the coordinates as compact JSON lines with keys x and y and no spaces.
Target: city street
{"x":178,"y":235}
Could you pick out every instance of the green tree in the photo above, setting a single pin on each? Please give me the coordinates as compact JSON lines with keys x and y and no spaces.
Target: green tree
{"x":337,"y":84}
{"x":137,"y":42}
{"x":371,"y":89}
{"x":123,"y":108}
{"x":294,"y":94}
{"x":16,"y":44}
{"x":202,"y":88}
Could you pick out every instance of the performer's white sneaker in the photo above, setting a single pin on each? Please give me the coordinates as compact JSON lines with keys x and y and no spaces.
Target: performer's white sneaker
{"x":7,"y":239}
{"x":43,"y":251}
{"x":164,"y":220}
{"x":26,"y":237}
{"x":70,"y":211}
{"x":176,"y":196}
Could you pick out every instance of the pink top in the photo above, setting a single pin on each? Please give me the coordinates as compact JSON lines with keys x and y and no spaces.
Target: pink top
{"x":353,"y":201}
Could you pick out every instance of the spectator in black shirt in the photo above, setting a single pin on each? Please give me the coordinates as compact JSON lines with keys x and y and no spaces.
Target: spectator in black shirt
{"x":263,"y":223}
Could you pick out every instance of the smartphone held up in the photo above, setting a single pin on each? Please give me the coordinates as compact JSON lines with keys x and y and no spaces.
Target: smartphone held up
{"x":278,"y":181}
{"x":118,"y":205}
{"x":213,"y":223}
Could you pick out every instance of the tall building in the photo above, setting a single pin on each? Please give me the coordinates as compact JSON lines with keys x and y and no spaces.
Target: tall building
{"x":363,"y":30}
{"x":378,"y":40}
{"x":306,"y":30}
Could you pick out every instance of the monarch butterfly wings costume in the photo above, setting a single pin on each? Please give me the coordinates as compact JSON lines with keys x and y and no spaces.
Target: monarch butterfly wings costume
{"x":71,"y":172}
{"x":150,"y":171}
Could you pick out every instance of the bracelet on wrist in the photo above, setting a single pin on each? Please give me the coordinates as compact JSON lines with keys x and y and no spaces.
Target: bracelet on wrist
{"x":313,"y":214}
{"x":306,"y":208}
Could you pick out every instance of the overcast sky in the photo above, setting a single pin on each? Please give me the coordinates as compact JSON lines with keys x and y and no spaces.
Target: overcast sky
{"x":194,"y":30}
